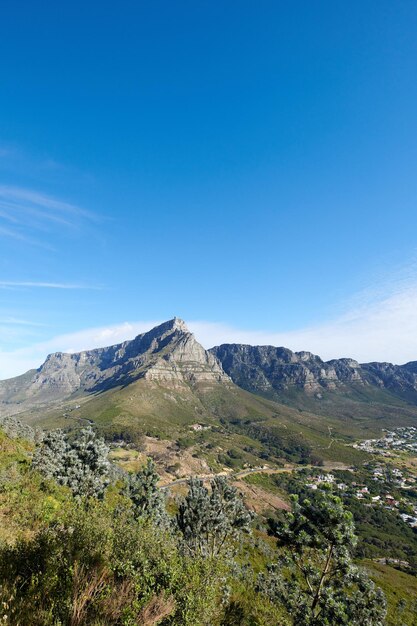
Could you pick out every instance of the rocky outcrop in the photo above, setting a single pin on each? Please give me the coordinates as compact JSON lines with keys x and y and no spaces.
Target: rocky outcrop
{"x":168,"y":353}
{"x":266,"y":369}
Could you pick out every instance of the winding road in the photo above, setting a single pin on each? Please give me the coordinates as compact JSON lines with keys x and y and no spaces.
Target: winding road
{"x":255,"y":470}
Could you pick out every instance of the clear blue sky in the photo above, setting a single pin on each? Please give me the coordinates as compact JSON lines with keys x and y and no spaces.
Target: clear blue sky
{"x":246,"y":162}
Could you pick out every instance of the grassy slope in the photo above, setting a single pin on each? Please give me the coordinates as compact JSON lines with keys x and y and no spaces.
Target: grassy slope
{"x":327,"y":425}
{"x":396,"y":586}
{"x":359,"y":411}
{"x":168,"y":412}
{"x":25,"y":505}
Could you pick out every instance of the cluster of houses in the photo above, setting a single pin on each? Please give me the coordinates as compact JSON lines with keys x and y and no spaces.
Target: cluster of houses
{"x":393,"y":476}
{"x":400,"y":439}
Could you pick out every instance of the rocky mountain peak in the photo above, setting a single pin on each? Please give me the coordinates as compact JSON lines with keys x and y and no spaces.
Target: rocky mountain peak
{"x":179,"y":324}
{"x":171,"y":326}
{"x":168,"y":353}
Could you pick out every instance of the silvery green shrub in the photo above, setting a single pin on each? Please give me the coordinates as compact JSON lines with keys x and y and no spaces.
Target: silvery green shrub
{"x":210,"y":522}
{"x":81,"y":464}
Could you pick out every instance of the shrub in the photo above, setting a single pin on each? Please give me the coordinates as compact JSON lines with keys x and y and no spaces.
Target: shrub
{"x":81,"y":464}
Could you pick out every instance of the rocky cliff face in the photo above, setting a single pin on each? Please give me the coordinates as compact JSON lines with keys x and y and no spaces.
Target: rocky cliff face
{"x":168,"y":353}
{"x":170,"y":356}
{"x":266,"y":369}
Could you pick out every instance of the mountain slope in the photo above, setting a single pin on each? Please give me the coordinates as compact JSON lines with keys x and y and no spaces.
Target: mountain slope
{"x":232,"y":404}
{"x":270,"y":370}
{"x":167,"y":353}
{"x":360,"y":399}
{"x":164,"y":384}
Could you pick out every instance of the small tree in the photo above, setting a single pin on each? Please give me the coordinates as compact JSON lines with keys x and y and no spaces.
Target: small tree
{"x":87,"y":464}
{"x":82,"y":464}
{"x":315,"y":578}
{"x":211,"y":521}
{"x":147,"y":499}
{"x":50,"y":455}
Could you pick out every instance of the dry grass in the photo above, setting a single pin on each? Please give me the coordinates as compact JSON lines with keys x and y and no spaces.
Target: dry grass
{"x":157,"y":609}
{"x":122,"y":595}
{"x":258,"y":499}
{"x":87,"y":587}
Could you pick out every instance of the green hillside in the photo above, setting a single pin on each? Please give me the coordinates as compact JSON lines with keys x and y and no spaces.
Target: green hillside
{"x":254,"y":428}
{"x":91,"y":561}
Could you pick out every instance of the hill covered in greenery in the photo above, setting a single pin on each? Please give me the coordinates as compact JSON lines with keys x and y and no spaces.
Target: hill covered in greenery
{"x":83,"y":542}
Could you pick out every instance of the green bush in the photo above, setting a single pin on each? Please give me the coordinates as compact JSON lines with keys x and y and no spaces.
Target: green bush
{"x":99,"y":565}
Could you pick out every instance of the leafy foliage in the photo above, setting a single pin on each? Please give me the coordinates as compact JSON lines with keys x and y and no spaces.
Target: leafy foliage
{"x":142,"y":489}
{"x":81,"y":464}
{"x":210,"y":522}
{"x":383,"y":533}
{"x":315,"y":577}
{"x":99,"y":566}
{"x":114,"y":559}
{"x":277,"y":443}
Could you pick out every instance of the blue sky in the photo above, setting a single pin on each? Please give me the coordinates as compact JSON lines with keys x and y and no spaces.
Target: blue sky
{"x":248,"y":166}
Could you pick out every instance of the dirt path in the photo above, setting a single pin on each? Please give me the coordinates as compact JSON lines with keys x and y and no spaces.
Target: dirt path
{"x":247,"y":472}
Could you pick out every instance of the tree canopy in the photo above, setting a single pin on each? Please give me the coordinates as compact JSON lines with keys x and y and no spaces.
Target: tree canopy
{"x":315,"y":577}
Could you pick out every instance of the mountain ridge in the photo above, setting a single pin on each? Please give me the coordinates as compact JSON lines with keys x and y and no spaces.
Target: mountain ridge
{"x":169,"y":352}
{"x":164,"y":376}
{"x":263,"y":369}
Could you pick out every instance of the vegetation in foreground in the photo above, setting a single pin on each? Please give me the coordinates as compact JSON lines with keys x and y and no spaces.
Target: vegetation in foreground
{"x":84,"y":544}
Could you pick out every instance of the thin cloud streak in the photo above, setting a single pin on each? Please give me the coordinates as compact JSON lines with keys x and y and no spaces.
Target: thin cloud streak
{"x":25,"y":214}
{"x":14,"y":321}
{"x":18,"y":236}
{"x":42,"y":200}
{"x":36,"y":212}
{"x":41,"y":285}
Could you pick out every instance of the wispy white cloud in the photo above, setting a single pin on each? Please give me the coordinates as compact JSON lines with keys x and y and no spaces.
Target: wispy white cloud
{"x":16,"y":196}
{"x":18,"y":361}
{"x":384,"y":329}
{"x":15,"y":321}
{"x":43,"y":285}
{"x":26,"y":213}
{"x":15,"y":234}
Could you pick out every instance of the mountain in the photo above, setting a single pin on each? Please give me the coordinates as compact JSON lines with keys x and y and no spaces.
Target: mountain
{"x":271,"y":371}
{"x":263,"y":368}
{"x":168,"y":353}
{"x":230,"y":405}
{"x":161,"y":383}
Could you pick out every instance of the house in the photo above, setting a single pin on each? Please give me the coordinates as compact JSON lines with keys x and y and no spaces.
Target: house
{"x":342,"y":486}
